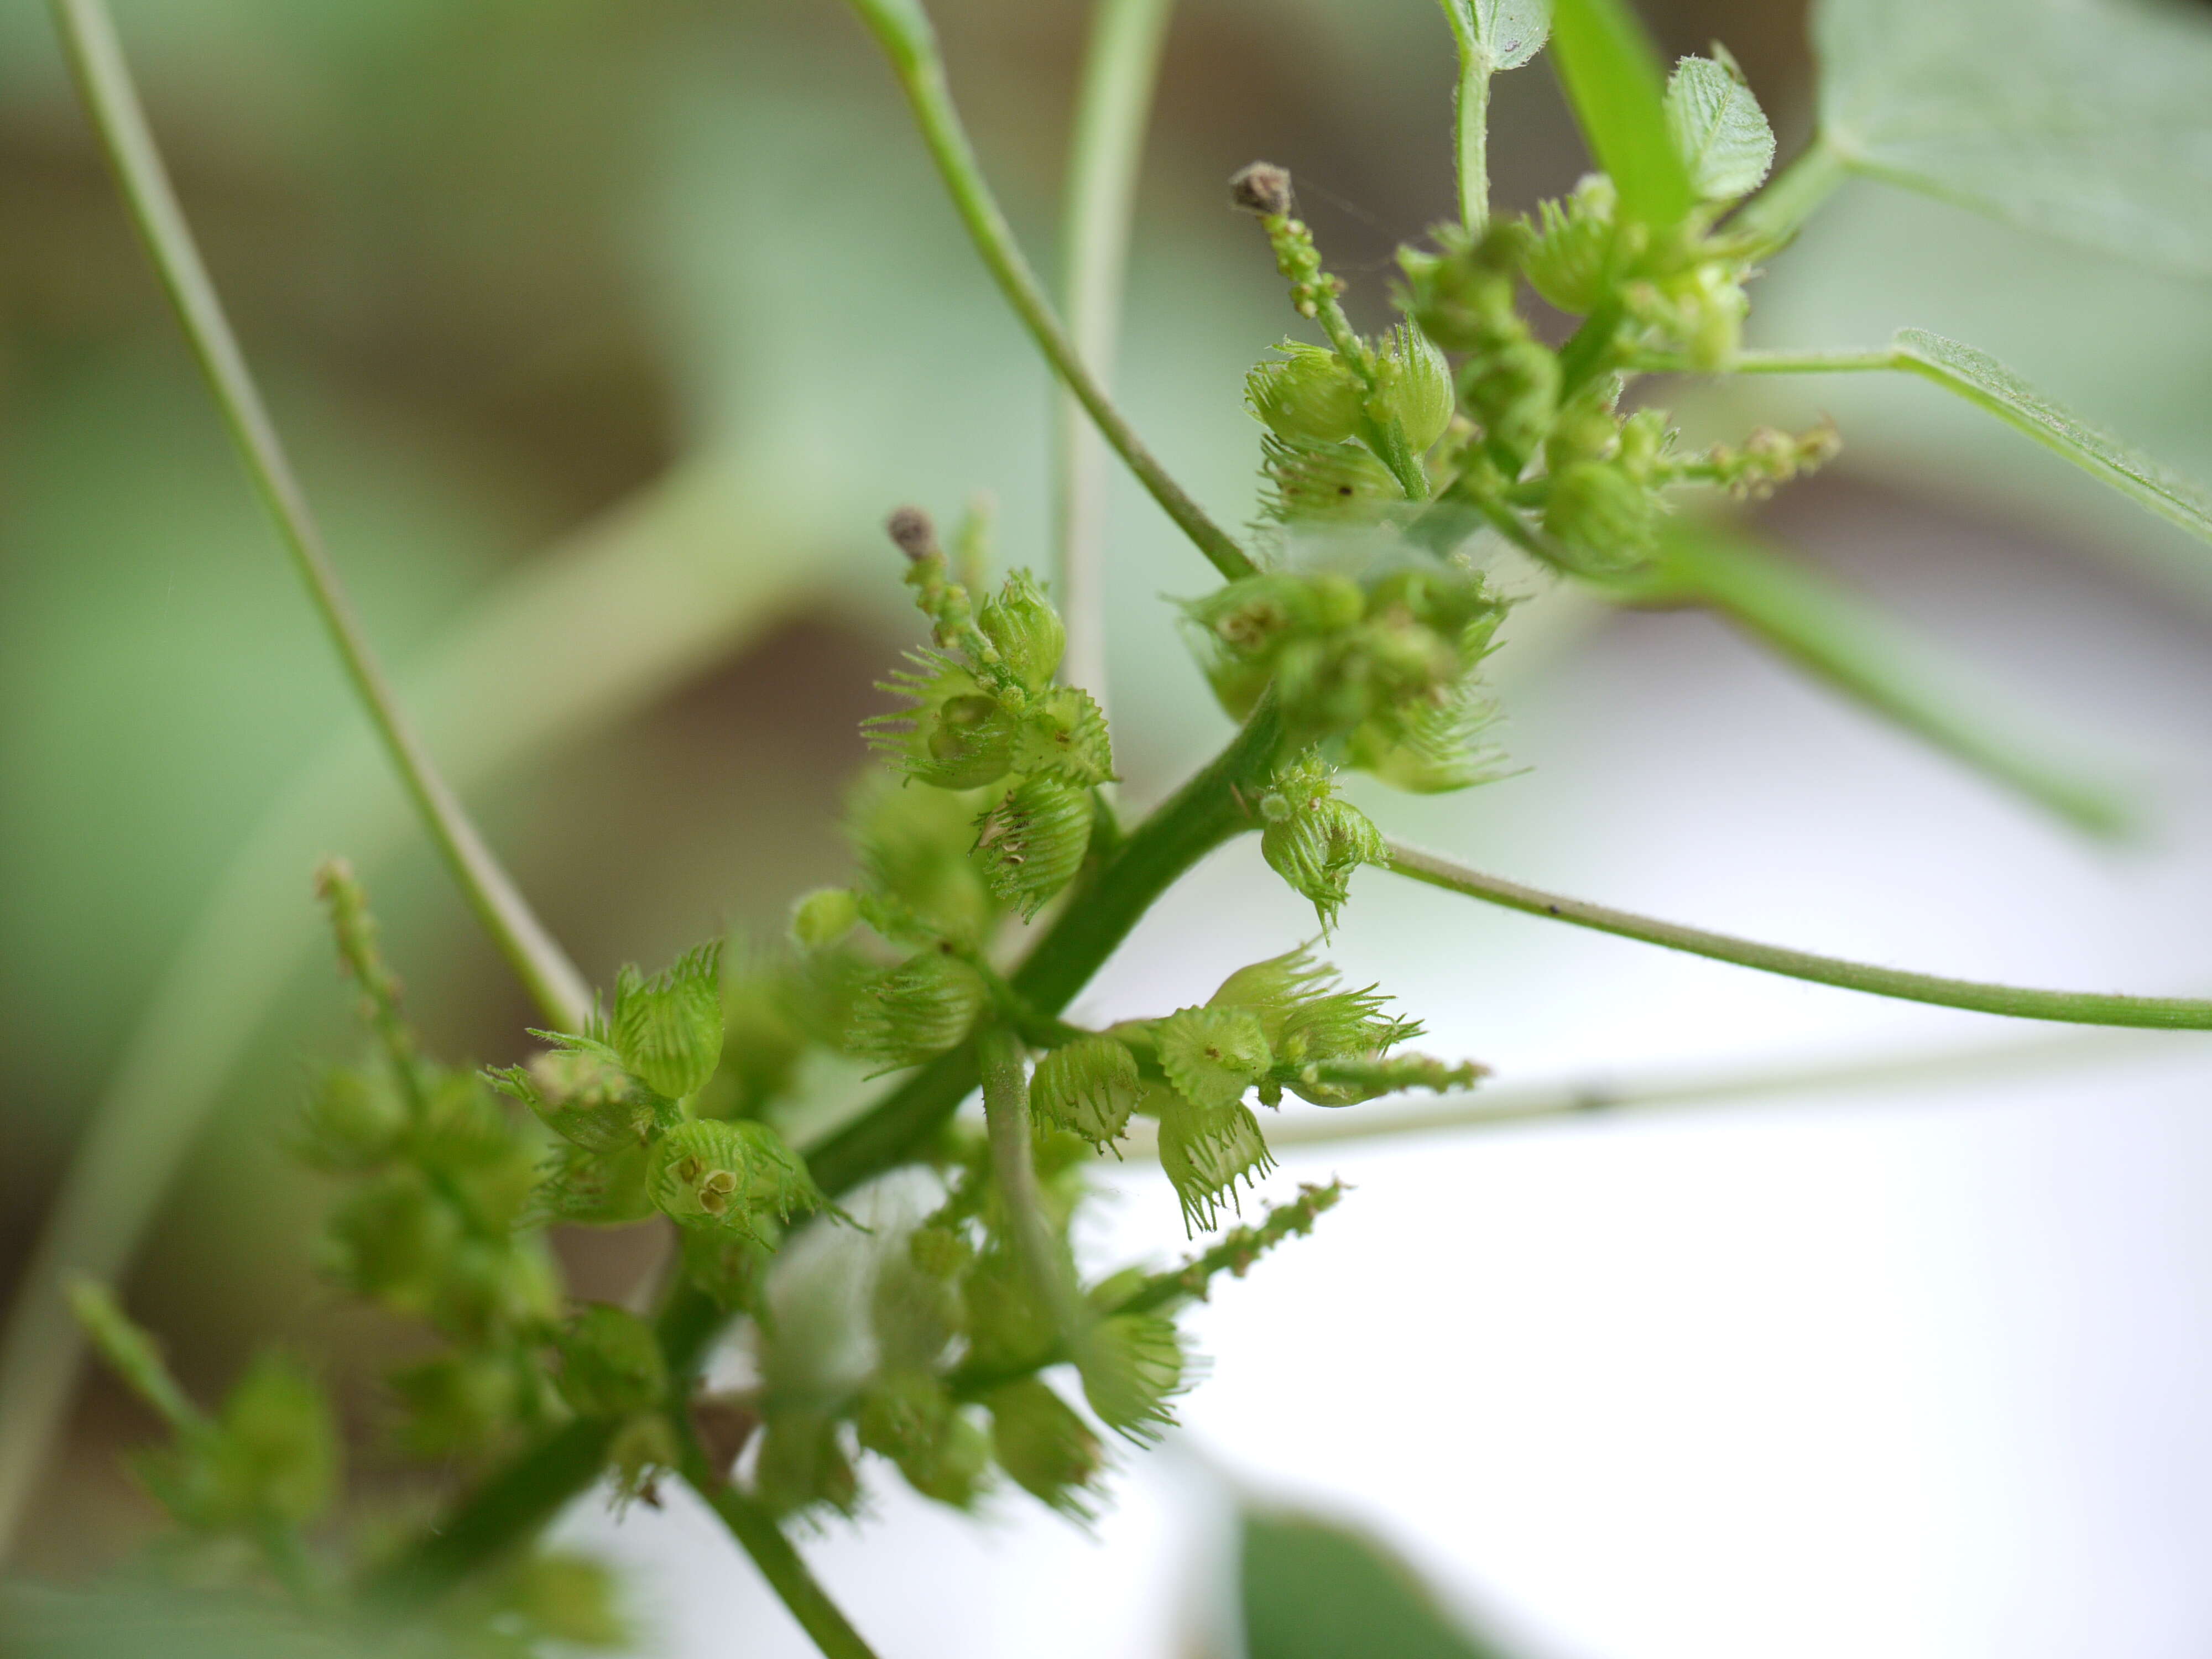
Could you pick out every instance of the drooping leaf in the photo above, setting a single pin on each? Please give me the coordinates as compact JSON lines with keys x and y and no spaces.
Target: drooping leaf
{"x":1613,"y":78}
{"x":1838,"y":637}
{"x":1719,"y":128}
{"x":1982,"y":380}
{"x":2088,"y":119}
{"x":1313,"y":1589}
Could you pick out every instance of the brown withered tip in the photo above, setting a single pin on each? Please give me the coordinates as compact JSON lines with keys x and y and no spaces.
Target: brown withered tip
{"x":723,"y":1427}
{"x":911,"y":528}
{"x":1263,"y":188}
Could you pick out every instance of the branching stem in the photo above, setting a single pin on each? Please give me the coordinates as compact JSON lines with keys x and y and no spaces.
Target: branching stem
{"x":904,"y":32}
{"x":2074,"y":1007}
{"x":111,"y":100}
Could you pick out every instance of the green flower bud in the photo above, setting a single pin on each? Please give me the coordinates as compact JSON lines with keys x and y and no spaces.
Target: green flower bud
{"x":1513,"y":393}
{"x":1307,"y":396}
{"x":1045,"y":1447}
{"x":1205,"y":1152}
{"x":731,"y":1177}
{"x":918,"y":1010}
{"x":496,"y":1286}
{"x":1025,"y":630}
{"x":580,"y":1187}
{"x":1315,"y":844}
{"x":1413,"y":387}
{"x":1463,"y":297}
{"x":1587,"y":430}
{"x":1031,"y":843}
{"x":1572,"y":261}
{"x":611,"y":1363}
{"x":391,"y":1243}
{"x":352,"y":1122}
{"x":1088,"y":1088}
{"x":1644,"y":440}
{"x":1601,"y":517}
{"x":460,"y":1405}
{"x":910,"y":1418}
{"x":824,"y":916}
{"x":1212,"y":1055}
{"x":804,"y":1465}
{"x":582,"y":1092}
{"x":668,"y":1029}
{"x":1305,"y":1012}
{"x":1062,"y":734}
{"x":275,"y":1454}
{"x":1132,"y":1366}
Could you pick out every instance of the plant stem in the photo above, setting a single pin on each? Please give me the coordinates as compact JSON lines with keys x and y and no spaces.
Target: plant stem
{"x":1206,"y":811}
{"x":1121,"y":68}
{"x":1538,"y":1102}
{"x":755,"y":1530}
{"x":111,"y":101}
{"x":2074,"y":1007}
{"x":1470,"y":119}
{"x":903,"y":31}
{"x":1772,"y":219}
{"x":1013,"y":1165}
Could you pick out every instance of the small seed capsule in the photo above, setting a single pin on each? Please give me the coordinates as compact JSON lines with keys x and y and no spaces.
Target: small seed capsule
{"x":1513,"y":392}
{"x":1414,"y":386}
{"x":1307,"y":396}
{"x":1047,"y":1448}
{"x":1031,"y":843}
{"x":1205,"y":1152}
{"x":1601,"y":517}
{"x":1088,"y":1088}
{"x":611,"y":1363}
{"x":918,"y":1010}
{"x":1062,"y":734}
{"x":1132,"y":1366}
{"x":737,"y":1178}
{"x":668,"y":1029}
{"x":583,"y":1094}
{"x":1212,"y":1055}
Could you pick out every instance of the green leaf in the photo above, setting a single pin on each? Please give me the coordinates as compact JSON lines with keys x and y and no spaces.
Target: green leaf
{"x":1982,"y":380}
{"x":1312,"y":1589}
{"x":2087,"y":119}
{"x":1612,"y":75}
{"x":1508,"y":32}
{"x":1719,"y":128}
{"x":1837,"y":637}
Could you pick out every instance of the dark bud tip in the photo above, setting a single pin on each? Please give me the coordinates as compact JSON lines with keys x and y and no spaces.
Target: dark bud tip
{"x":910,"y":528}
{"x":1263,"y":188}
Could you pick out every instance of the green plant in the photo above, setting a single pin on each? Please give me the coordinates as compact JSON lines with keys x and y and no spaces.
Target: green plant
{"x":1403,"y":472}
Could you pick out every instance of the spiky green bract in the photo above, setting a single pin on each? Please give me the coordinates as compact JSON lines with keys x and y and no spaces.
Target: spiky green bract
{"x":1307,"y":1014}
{"x":580,"y":1187}
{"x":1313,"y":838}
{"x":730,"y":1178}
{"x":667,"y":1031}
{"x":1045,"y":1448}
{"x":918,"y":1010}
{"x":1306,"y":396}
{"x":804,"y":1465}
{"x":1207,"y":1149}
{"x":1062,"y":734}
{"x":957,"y":736}
{"x":1212,"y":1055}
{"x":1031,"y":843}
{"x":1366,"y":668}
{"x":1234,"y":1252}
{"x":1089,"y":1088}
{"x":1132,"y":1366}
{"x":611,"y":1364}
{"x":582,"y":1091}
{"x":1021,"y":624}
{"x":914,"y":847}
{"x":910,"y":1417}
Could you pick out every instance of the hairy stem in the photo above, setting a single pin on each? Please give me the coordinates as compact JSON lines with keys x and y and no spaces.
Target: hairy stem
{"x":1470,"y":119}
{"x":2074,"y":1007}
{"x":111,"y":100}
{"x":757,"y":1534}
{"x":1013,"y":1165}
{"x":904,"y":32}
{"x":1120,"y":69}
{"x":1208,"y":811}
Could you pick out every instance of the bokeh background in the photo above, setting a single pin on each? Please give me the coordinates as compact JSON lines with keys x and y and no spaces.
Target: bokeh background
{"x":606,"y":332}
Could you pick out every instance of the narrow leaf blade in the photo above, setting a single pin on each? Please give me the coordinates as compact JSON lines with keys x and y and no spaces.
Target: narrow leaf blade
{"x":1719,"y":129}
{"x":1982,"y":380}
{"x":1612,"y":79}
{"x":2087,"y":119}
{"x":1314,"y":1590}
{"x":1511,"y":31}
{"x":1839,"y":638}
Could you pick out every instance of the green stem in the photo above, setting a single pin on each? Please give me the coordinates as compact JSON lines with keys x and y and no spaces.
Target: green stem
{"x":755,"y":1530}
{"x":1013,"y":1165}
{"x":111,"y":100}
{"x":1772,"y":219}
{"x":1205,"y":812}
{"x":2074,"y":1007}
{"x":904,"y":32}
{"x":1121,"y":68}
{"x":1783,"y":363}
{"x":1470,"y":119}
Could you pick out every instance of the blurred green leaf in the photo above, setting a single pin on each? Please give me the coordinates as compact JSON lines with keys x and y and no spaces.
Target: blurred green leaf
{"x":1982,"y":380}
{"x":1719,"y":128}
{"x":2089,"y":119}
{"x":1314,"y":1590}
{"x":1612,"y":79}
{"x":1508,"y":32}
{"x":1837,"y":637}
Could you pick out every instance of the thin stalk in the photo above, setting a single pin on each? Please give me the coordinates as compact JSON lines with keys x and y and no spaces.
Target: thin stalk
{"x":1784,"y":362}
{"x":111,"y":100}
{"x":526,"y":1493}
{"x":1121,"y":68}
{"x":756,"y":1532}
{"x":1772,"y":219}
{"x":1470,"y":119}
{"x":1013,"y":1165}
{"x":903,"y":31}
{"x":2073,"y":1007}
